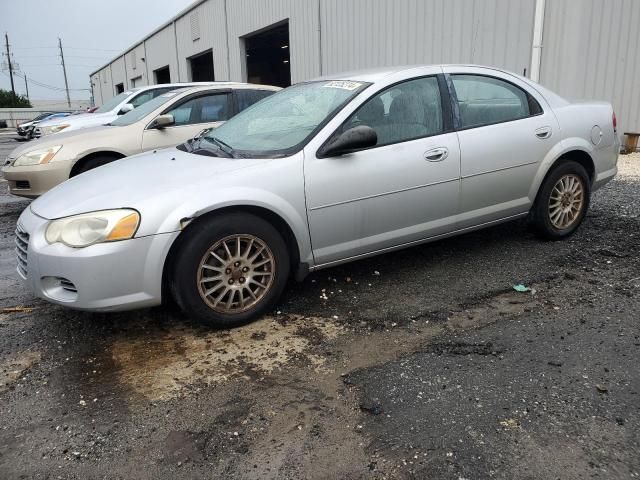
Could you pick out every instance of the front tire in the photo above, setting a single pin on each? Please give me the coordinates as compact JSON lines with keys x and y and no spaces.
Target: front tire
{"x":562,"y":202}
{"x":92,"y":163}
{"x":229,"y":270}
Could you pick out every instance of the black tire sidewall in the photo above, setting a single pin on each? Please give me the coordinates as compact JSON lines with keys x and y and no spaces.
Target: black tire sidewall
{"x":94,"y":163}
{"x":198,"y":239}
{"x":541,"y":220}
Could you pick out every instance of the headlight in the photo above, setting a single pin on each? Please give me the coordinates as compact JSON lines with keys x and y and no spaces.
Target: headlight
{"x":96,"y":227}
{"x":35,"y":157}
{"x":53,"y":129}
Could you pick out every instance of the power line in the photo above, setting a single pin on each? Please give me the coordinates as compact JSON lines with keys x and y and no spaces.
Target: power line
{"x":50,"y":87}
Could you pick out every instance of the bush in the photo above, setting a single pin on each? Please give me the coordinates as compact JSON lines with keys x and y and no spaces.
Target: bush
{"x":9,"y":100}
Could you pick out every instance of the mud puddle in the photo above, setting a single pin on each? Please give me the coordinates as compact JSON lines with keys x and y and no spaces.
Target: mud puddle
{"x":160,"y":367}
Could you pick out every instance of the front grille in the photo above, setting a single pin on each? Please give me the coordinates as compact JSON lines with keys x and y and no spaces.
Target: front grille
{"x":68,"y":285}
{"x":23,"y":184}
{"x":22,"y":248}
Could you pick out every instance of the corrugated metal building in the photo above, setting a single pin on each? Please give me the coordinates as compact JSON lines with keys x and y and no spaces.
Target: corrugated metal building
{"x":579,"y":48}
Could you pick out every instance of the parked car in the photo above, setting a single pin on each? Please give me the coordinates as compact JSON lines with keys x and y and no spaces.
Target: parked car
{"x":118,"y":105}
{"x":26,"y":129}
{"x":168,"y":120}
{"x":318,"y":174}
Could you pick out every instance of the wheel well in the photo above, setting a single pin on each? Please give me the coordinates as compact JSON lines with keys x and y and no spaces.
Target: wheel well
{"x":78,"y":165}
{"x":581,"y":157}
{"x":273,"y":218}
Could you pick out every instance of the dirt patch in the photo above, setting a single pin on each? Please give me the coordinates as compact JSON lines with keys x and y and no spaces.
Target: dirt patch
{"x":11,"y":369}
{"x":508,"y":304}
{"x":162,"y":366}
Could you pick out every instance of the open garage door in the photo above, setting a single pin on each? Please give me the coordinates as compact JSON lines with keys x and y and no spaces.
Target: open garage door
{"x":267,"y":54}
{"x":201,"y":67}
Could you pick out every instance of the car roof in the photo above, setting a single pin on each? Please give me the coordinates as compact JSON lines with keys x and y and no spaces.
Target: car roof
{"x":376,"y":74}
{"x":182,"y":85}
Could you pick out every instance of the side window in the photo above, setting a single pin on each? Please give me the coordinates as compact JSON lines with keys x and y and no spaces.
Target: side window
{"x":488,"y":100}
{"x":207,"y":108}
{"x":144,"y":97}
{"x":214,"y":108}
{"x":247,"y":97}
{"x":402,"y":112}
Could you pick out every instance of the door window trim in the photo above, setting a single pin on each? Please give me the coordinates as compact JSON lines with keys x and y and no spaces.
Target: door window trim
{"x":453,"y":96}
{"x":446,"y":114}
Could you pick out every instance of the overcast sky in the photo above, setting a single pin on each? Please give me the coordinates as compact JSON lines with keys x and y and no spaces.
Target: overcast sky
{"x":92,"y":33}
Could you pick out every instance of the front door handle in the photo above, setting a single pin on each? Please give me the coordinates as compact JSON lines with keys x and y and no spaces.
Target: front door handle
{"x":436,"y":154}
{"x":543,"y":132}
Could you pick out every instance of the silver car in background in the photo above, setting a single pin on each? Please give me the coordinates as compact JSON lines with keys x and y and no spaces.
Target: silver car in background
{"x":321,"y":173}
{"x":166,"y":121}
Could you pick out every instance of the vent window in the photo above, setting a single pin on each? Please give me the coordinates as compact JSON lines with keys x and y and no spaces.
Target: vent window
{"x":194,"y":19}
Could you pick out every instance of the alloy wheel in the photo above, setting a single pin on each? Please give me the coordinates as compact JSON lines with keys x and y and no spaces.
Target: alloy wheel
{"x":566,"y":201}
{"x":235,"y":273}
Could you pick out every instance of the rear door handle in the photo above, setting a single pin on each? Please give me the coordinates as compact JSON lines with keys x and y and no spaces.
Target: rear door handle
{"x":543,"y":132}
{"x":436,"y":154}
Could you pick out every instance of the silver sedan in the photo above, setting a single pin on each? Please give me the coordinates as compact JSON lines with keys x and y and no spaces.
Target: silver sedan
{"x":324,"y":172}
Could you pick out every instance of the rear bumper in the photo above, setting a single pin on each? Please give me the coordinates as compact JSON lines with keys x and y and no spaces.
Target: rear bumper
{"x":103,"y":277}
{"x":34,"y":180}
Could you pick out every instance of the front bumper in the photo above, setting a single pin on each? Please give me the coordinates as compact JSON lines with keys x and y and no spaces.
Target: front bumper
{"x":103,"y":277}
{"x":34,"y":180}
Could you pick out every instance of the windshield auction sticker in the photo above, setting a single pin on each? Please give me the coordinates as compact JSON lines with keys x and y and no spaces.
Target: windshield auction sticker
{"x":343,"y":84}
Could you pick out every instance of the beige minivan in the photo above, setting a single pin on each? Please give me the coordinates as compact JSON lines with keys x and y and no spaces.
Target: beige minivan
{"x":169,"y":119}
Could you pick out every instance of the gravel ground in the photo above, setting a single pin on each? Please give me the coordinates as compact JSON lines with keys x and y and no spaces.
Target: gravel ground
{"x":418,"y":364}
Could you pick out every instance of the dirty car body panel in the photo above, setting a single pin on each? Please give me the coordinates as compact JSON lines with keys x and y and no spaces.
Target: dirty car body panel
{"x":476,"y":155}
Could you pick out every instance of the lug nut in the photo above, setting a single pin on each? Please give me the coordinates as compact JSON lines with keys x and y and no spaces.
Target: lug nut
{"x":227,"y":271}
{"x":241,"y":279}
{"x":237,"y":264}
{"x":231,"y":281}
{"x":245,"y":269}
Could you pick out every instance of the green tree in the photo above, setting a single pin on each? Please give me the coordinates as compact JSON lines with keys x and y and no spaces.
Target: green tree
{"x":9,"y":100}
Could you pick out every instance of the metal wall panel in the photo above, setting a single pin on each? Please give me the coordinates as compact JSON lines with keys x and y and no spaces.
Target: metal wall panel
{"x":249,"y":16}
{"x":118,"y":74}
{"x":136,"y":66}
{"x":161,"y":51}
{"x":591,"y":50}
{"x":372,"y":33}
{"x":212,"y":35}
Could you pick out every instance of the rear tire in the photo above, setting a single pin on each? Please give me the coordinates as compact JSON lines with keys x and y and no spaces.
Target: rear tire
{"x":562,"y":202}
{"x":228,"y":286}
{"x":92,"y":163}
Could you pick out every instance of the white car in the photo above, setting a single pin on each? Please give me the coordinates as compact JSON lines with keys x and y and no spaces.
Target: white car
{"x":118,"y":105}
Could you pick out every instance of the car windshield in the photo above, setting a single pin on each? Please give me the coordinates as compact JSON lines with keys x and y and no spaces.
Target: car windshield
{"x":114,"y":102}
{"x":145,"y":109}
{"x":283,"y":122}
{"x":41,"y":116}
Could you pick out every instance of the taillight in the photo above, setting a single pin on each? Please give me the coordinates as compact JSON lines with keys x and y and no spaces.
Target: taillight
{"x":615,"y":122}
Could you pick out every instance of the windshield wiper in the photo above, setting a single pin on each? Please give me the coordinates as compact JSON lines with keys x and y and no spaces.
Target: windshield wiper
{"x":225,"y":147}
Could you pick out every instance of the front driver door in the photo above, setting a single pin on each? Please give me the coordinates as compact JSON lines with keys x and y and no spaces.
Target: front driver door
{"x":402,"y":190}
{"x":191,"y":115}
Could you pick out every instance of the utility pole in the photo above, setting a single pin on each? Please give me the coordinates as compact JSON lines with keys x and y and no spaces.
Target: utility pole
{"x":26,"y":85}
{"x":64,"y":70}
{"x":6,"y":41}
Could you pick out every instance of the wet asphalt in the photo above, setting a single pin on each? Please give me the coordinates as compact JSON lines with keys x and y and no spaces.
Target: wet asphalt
{"x":423,"y":363}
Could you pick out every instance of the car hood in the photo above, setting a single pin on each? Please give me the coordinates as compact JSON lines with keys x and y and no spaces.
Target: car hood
{"x":135,"y":182}
{"x":91,"y":135}
{"x":81,"y":120}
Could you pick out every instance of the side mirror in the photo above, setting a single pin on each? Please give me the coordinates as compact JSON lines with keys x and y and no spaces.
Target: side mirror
{"x":126,"y":108}
{"x":163,"y":121}
{"x":355,"y":138}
